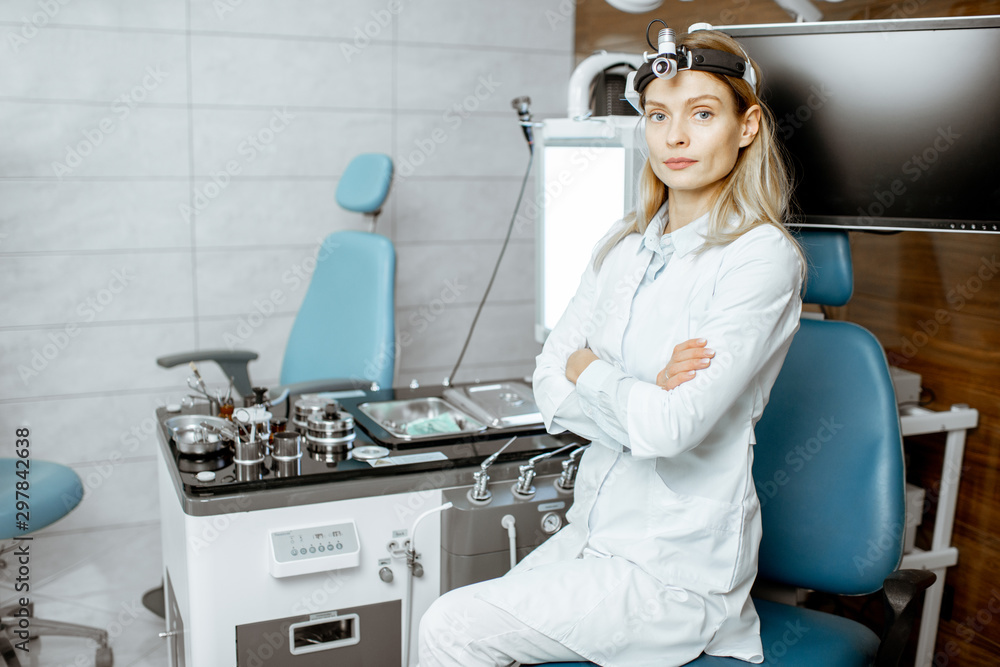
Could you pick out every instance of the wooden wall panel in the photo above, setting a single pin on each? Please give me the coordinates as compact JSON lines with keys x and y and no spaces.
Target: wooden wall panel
{"x":905,"y":284}
{"x":902,"y":288}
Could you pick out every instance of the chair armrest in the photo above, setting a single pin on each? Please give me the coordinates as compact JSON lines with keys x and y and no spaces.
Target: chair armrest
{"x":232,"y":362}
{"x":7,"y":652}
{"x":902,"y":595}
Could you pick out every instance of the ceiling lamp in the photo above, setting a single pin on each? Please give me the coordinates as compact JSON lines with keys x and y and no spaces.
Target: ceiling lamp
{"x":635,"y":6}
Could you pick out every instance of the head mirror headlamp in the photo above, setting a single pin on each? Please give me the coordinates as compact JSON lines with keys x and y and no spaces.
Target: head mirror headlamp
{"x":669,"y":59}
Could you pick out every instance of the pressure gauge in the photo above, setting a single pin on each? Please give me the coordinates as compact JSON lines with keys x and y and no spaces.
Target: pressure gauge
{"x":551,"y":523}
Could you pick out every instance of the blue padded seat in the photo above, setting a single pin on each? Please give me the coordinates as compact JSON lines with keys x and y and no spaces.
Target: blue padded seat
{"x":828,"y":464}
{"x":345,"y":327}
{"x":831,"y":278}
{"x":344,"y":333}
{"x":54,"y":491}
{"x":795,"y":637}
{"x":364,"y":185}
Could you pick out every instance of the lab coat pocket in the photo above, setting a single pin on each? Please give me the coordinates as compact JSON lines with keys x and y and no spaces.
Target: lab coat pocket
{"x":696,"y":539}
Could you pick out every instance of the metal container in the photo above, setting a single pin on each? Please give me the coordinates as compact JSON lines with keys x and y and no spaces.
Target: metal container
{"x":500,"y":404}
{"x":249,"y":451}
{"x":253,"y":429}
{"x":330,"y":433}
{"x":287,"y":445}
{"x":251,"y":472}
{"x":290,"y":468}
{"x":403,"y":419}
{"x":305,"y":407}
{"x":193,"y":439}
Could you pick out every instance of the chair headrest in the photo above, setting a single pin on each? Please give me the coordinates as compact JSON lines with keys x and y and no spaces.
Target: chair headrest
{"x":364,"y":185}
{"x":831,"y":277}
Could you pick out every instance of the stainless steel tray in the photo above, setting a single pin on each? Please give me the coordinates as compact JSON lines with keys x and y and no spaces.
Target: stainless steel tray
{"x":500,"y":405}
{"x":399,"y":417}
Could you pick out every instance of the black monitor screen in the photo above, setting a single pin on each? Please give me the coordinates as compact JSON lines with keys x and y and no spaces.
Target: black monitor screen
{"x":890,"y":124}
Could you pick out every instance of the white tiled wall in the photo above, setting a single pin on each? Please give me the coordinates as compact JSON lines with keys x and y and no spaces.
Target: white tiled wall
{"x":117,"y":118}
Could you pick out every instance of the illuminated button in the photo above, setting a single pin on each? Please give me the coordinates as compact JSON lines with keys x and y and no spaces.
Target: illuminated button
{"x":312,"y":550}
{"x":339,"y":545}
{"x":295,"y":552}
{"x":322,"y":548}
{"x":330,"y":547}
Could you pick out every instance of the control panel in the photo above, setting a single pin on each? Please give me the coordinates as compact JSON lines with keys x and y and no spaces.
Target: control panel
{"x":314,"y":549}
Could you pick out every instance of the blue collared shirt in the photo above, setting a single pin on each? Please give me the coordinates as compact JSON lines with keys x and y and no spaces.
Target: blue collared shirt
{"x":655,"y":251}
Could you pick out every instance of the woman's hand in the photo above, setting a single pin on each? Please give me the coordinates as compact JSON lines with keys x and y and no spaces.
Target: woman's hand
{"x":578,"y":362}
{"x":688,"y":357}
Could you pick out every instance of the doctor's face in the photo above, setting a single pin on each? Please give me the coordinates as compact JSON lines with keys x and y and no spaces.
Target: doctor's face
{"x":694,"y":132}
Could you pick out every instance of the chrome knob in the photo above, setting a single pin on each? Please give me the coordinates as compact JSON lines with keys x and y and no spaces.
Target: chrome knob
{"x":524,"y":479}
{"x":385,"y":574}
{"x":567,"y":480}
{"x":526,"y":474}
{"x":480,"y":493}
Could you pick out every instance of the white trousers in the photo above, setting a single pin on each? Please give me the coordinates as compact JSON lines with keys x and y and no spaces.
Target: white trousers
{"x":460,"y":630}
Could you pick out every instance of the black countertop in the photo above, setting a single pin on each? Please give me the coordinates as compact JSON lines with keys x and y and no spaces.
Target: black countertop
{"x":438,"y":462}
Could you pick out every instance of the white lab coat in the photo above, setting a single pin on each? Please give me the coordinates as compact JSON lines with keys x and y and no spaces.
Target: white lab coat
{"x":657,"y":559}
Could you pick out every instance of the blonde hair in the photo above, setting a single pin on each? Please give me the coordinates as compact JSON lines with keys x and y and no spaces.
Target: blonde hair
{"x":756,"y":192}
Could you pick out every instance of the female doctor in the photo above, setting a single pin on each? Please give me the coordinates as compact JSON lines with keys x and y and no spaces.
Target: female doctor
{"x":655,"y":564}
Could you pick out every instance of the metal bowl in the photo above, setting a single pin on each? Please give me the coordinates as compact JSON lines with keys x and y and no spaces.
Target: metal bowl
{"x":193,"y":439}
{"x":398,"y":417}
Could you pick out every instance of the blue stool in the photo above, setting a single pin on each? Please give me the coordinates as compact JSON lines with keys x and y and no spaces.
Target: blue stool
{"x":53,"y":491}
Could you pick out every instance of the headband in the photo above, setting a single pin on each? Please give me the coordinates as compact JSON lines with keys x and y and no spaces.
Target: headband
{"x":670,"y":59}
